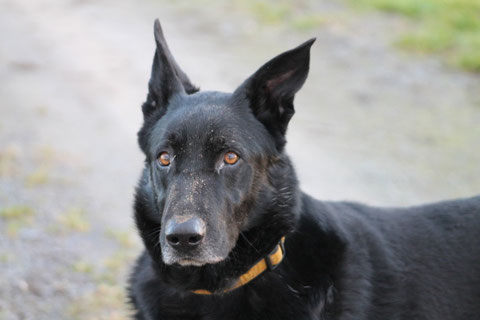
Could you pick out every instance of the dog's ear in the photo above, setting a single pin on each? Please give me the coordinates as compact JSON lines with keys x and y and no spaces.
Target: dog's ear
{"x":167,"y":79}
{"x":271,"y":90}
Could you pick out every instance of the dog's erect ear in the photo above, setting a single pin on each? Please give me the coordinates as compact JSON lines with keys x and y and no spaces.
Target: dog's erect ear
{"x":167,"y":78}
{"x":272,"y":88}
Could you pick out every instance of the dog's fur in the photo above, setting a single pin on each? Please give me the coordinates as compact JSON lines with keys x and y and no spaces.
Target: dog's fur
{"x":343,"y":260}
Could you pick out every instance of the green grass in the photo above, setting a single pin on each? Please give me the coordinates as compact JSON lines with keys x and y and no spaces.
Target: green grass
{"x":5,"y":258}
{"x":450,"y":28}
{"x":412,"y":8}
{"x":116,"y":263}
{"x":37,"y":178}
{"x":45,"y":157}
{"x":122,"y":237}
{"x":8,"y":160}
{"x":74,"y":219}
{"x":18,"y":212}
{"x":296,"y":14}
{"x":107,"y":300}
{"x":17,"y":217}
{"x":308,"y":21}
{"x":82,"y":266}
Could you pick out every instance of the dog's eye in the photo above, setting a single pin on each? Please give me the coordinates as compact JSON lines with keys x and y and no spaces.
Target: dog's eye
{"x":230,"y":158}
{"x":164,"y":159}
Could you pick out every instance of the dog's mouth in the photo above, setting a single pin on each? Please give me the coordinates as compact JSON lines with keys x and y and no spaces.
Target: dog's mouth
{"x":191,"y":262}
{"x":198,"y":259}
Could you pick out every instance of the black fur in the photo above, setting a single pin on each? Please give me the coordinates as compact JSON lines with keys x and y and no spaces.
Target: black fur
{"x":343,"y":260}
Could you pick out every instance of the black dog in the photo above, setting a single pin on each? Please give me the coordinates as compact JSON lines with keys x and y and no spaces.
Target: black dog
{"x":228,"y":234}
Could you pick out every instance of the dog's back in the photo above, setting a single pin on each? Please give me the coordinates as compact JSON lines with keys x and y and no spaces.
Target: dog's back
{"x":411,"y":263}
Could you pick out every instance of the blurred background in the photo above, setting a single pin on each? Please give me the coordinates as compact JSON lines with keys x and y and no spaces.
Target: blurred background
{"x":390,"y":115}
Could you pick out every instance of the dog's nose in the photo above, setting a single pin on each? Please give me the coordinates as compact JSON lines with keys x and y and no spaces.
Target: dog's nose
{"x":185,"y":235}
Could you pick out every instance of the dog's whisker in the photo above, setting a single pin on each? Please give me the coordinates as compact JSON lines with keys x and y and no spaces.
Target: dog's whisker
{"x":153,"y":233}
{"x":248,"y":241}
{"x":157,"y":245}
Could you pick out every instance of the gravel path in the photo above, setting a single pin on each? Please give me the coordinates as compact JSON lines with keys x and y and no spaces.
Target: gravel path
{"x":372,"y":124}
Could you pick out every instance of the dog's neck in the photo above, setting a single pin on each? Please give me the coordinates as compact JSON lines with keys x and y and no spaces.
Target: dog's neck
{"x":270,"y":262}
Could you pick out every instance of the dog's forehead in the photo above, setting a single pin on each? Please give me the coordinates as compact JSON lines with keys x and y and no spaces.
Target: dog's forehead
{"x":194,"y":114}
{"x":199,"y":118}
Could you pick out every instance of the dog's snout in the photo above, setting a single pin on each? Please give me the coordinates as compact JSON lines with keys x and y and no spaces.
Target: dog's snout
{"x":185,"y":235}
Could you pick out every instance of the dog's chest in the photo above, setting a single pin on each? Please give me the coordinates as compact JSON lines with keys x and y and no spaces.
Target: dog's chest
{"x":249,"y":304}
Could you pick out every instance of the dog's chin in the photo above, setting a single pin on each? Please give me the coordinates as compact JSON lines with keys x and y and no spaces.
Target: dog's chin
{"x":172,"y":258}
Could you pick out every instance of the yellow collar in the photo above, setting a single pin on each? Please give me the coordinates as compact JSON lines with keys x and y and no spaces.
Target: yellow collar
{"x":269,"y":262}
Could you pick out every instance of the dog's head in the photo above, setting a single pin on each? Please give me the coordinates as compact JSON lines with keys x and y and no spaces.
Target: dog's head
{"x":217,"y":184}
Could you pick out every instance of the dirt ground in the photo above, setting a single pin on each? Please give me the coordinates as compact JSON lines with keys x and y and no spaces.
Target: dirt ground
{"x":373,"y":124}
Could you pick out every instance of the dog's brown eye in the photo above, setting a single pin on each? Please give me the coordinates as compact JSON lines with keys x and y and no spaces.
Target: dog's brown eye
{"x":230,"y":158}
{"x":164,"y":159}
